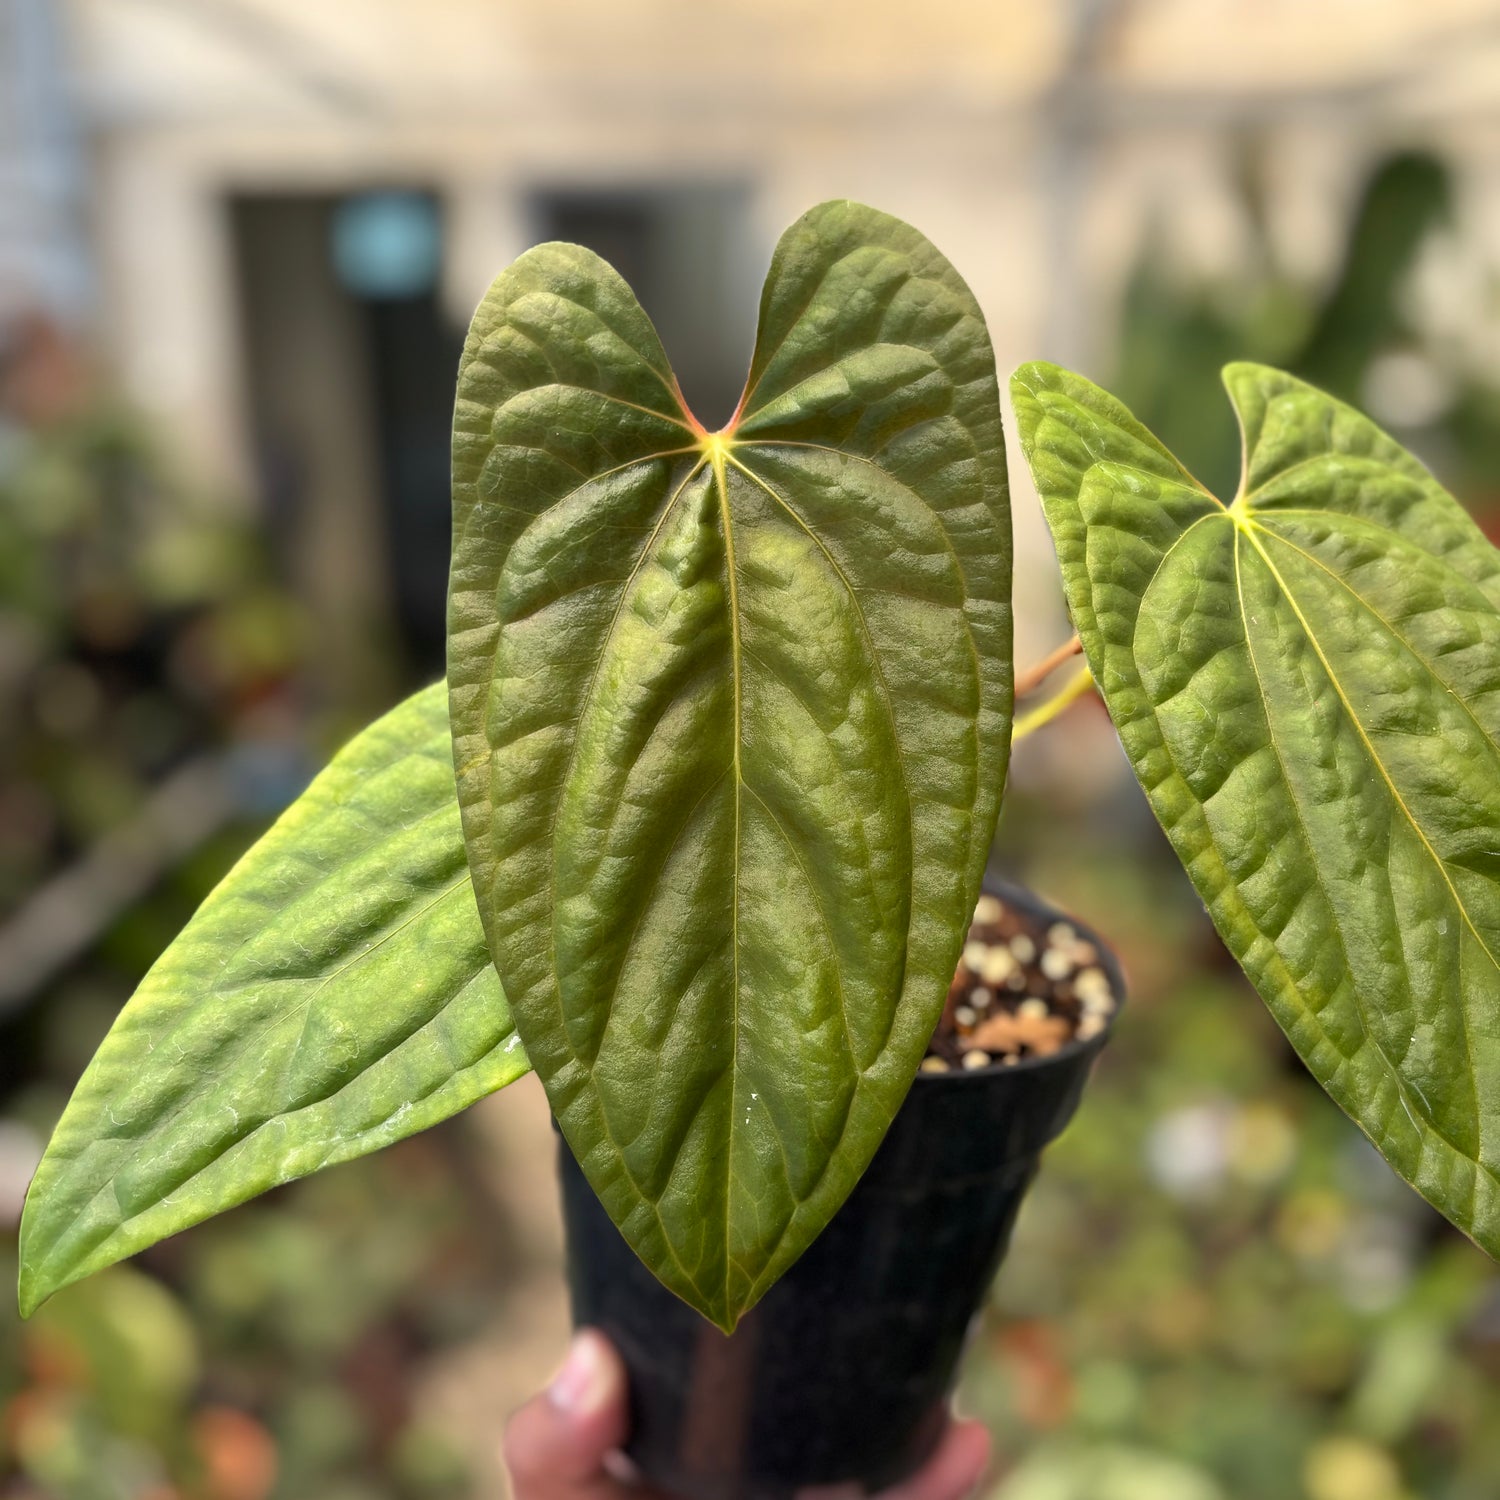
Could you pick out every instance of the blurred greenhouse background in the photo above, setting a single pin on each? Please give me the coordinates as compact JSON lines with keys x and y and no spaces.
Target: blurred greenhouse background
{"x":239,"y":240}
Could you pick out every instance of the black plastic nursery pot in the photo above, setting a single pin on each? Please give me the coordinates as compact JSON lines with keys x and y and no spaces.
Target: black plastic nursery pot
{"x":842,"y":1372}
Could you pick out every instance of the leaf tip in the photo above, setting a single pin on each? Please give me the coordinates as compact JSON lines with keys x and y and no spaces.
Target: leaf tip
{"x":36,"y":1281}
{"x":32,"y":1289}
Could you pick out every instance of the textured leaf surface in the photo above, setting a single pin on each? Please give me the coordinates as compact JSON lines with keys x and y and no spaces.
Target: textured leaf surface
{"x":332,"y":995}
{"x":731,"y":716}
{"x":1307,"y":683}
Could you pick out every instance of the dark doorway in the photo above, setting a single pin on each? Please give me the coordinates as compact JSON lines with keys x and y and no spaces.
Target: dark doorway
{"x":350,"y":364}
{"x":413,"y":353}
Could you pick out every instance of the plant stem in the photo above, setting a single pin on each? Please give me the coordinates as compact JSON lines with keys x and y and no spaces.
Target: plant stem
{"x":1044,"y":714}
{"x":1033,"y":677}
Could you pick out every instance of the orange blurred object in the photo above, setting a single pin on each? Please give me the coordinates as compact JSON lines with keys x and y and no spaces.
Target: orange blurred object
{"x":1043,"y":1382}
{"x":238,"y":1455}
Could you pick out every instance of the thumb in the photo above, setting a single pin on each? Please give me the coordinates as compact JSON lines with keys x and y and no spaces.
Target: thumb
{"x":555,"y":1445}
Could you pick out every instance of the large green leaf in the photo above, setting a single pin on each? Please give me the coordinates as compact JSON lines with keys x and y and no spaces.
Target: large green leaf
{"x":333,"y":994}
{"x":731,"y":716}
{"x":1307,"y":682}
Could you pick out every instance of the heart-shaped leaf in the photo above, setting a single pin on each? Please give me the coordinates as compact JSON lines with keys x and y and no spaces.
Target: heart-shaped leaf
{"x":1307,"y":683}
{"x":333,"y":994}
{"x":731,"y":715}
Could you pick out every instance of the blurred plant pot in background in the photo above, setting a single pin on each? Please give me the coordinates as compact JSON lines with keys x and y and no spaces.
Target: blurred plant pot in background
{"x":843,"y":1371}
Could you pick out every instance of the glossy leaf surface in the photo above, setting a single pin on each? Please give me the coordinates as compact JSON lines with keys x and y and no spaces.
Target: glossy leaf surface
{"x":332,"y":995}
{"x":1307,"y":683}
{"x":731,"y":716}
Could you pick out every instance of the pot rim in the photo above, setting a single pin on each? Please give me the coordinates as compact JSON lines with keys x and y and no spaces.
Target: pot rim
{"x":1109,"y":961}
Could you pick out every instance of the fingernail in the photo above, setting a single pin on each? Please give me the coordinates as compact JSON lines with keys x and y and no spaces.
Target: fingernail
{"x":583,"y":1382}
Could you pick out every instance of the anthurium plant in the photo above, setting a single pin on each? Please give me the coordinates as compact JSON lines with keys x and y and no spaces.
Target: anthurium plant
{"x":697,"y":826}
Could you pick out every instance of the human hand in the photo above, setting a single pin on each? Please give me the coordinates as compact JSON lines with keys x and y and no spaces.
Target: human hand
{"x":562,"y":1444}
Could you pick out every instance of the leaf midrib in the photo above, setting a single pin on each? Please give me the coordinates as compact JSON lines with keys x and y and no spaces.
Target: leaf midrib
{"x":487,"y":755}
{"x":887,"y":699}
{"x":719,"y":465}
{"x":219,"y":988}
{"x":1400,"y":538}
{"x":303,"y":1009}
{"x":1359,"y":728}
{"x":1387,"y":624}
{"x":1391,"y":1066}
{"x":129,"y":1218}
{"x":646,"y":553}
{"x":1248,"y":529}
{"x":721,"y":485}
